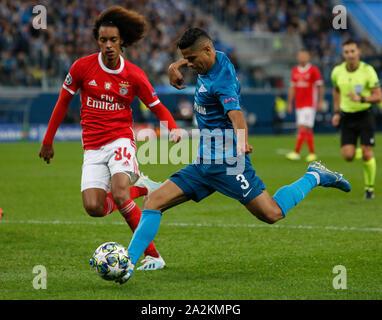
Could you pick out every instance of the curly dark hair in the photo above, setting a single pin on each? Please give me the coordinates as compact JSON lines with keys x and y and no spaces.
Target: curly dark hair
{"x":132,"y":26}
{"x":191,"y":36}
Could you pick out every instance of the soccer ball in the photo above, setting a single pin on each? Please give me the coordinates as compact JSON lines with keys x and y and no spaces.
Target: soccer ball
{"x":110,"y":261}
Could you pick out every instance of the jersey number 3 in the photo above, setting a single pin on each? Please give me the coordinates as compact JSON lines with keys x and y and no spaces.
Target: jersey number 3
{"x":244,"y":182}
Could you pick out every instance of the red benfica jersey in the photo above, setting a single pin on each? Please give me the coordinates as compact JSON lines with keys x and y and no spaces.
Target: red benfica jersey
{"x":305,"y":80}
{"x":106,"y":95}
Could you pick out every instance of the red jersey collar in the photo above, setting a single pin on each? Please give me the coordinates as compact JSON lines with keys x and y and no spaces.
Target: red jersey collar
{"x":303,"y":69}
{"x":106,"y":69}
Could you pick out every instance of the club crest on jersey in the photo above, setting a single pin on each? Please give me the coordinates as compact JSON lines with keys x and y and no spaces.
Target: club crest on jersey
{"x":202,"y":88}
{"x":123,"y":87}
{"x":68,"y":79}
{"x":107,"y":85}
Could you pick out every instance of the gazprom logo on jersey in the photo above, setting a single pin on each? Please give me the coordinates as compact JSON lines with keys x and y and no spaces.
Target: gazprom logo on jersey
{"x":104,"y":105}
{"x":200,"y":109}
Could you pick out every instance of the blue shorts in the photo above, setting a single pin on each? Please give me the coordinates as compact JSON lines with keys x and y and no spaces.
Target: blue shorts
{"x":199,"y":180}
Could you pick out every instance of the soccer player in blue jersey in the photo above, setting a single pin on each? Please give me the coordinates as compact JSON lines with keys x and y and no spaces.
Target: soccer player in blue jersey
{"x":223,"y":163}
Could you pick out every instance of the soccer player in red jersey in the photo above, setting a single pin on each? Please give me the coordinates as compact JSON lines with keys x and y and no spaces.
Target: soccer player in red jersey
{"x":307,"y":92}
{"x":108,"y":84}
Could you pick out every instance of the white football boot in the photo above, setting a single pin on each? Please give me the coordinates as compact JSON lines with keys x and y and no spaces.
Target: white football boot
{"x":150,"y":263}
{"x":146,"y":182}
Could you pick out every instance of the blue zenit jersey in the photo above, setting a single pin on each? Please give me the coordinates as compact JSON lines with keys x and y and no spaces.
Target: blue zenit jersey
{"x":217,"y":92}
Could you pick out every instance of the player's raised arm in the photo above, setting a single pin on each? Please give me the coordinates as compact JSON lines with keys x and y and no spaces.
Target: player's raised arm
{"x":175,"y":76}
{"x":149,"y":97}
{"x":58,"y":115}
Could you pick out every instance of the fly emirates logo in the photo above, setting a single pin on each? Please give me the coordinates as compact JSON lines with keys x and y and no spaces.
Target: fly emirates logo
{"x":107,"y":103}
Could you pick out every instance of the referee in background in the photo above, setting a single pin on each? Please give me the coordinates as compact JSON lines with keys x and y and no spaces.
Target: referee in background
{"x":356,"y":88}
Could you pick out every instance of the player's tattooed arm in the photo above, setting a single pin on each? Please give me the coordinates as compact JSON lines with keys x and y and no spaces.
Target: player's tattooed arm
{"x":174,"y":74}
{"x":241,"y":131}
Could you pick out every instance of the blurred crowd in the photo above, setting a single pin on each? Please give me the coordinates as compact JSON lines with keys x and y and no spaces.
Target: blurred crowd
{"x":30,"y":57}
{"x":312,"y":19}
{"x":33,"y":57}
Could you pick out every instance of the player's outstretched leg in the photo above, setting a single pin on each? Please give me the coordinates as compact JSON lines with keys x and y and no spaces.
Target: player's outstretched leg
{"x":132,"y":215}
{"x":328,"y":178}
{"x":166,"y":196}
{"x":270,"y":210}
{"x":317,"y":174}
{"x":142,"y":237}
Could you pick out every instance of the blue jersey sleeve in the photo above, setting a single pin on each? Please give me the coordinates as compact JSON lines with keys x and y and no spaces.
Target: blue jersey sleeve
{"x":227,"y":90}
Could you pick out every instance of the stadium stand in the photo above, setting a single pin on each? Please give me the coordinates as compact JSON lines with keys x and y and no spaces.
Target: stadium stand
{"x":312,"y":20}
{"x":32,"y":57}
{"x":41,"y":58}
{"x":368,"y":14}
{"x":260,"y":37}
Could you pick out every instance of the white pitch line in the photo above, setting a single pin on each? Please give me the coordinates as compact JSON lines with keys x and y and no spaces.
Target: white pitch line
{"x":203,"y":225}
{"x":282,"y":151}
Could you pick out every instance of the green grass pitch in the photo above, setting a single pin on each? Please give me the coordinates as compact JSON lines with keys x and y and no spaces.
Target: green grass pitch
{"x":214,"y":249}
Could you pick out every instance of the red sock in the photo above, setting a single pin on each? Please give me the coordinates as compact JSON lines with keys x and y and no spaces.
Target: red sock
{"x":110,"y":206}
{"x":299,"y":140}
{"x":132,"y":215}
{"x":310,"y":140}
{"x":136,"y":192}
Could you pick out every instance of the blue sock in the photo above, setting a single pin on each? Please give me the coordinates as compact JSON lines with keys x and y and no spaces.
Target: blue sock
{"x":145,"y":233}
{"x":289,"y":196}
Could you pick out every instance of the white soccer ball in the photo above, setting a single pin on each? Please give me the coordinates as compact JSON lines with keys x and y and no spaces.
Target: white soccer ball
{"x":110,"y":261}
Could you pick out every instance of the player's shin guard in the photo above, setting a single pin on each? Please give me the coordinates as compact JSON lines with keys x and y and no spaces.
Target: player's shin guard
{"x":144,"y":234}
{"x":289,"y":196}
